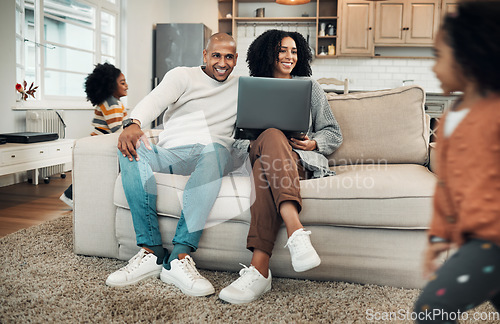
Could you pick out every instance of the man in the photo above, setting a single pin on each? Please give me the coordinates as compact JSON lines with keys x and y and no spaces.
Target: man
{"x":196,"y":141}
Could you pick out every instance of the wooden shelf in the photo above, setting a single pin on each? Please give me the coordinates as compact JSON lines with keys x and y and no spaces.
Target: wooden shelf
{"x":321,"y":11}
{"x":402,"y":57}
{"x":301,"y":19}
{"x":256,"y":0}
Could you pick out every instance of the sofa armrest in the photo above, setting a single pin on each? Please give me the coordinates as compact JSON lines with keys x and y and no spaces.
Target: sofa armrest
{"x":432,"y":157}
{"x":95,"y":168}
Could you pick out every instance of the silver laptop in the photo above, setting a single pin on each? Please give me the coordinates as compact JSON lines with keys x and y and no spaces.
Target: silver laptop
{"x":265,"y":103}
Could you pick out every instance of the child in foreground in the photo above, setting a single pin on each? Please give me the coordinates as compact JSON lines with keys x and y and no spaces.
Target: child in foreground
{"x":467,"y":197}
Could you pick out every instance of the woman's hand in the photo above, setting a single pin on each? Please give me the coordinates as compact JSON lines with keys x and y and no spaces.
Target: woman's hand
{"x":432,"y":251}
{"x":305,"y":144}
{"x":130,"y":140}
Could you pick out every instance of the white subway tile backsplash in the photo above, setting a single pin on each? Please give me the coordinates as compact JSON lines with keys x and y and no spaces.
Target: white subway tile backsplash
{"x":352,"y":69}
{"x":409,"y":70}
{"x":386,"y":62}
{"x":400,"y":63}
{"x":399,"y":77}
{"x":379,"y":69}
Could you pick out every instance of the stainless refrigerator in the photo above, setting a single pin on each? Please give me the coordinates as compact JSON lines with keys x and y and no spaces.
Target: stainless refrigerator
{"x":178,"y":45}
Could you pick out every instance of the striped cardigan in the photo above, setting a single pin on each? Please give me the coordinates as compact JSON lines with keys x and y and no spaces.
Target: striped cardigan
{"x":108,"y":116}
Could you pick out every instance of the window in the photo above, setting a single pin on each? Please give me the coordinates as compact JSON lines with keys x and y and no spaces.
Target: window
{"x":58,"y":42}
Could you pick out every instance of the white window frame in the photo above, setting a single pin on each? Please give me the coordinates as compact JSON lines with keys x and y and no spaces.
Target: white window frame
{"x":43,"y":101}
{"x":20,"y":38}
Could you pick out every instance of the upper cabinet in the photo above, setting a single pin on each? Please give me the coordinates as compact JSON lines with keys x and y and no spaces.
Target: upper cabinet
{"x":407,"y":22}
{"x":449,"y":6}
{"x":356,"y":32}
{"x":345,"y":27}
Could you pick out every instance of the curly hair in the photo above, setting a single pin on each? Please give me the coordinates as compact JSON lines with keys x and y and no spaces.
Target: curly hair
{"x":473,"y":33}
{"x":264,"y":51}
{"x":101,"y":83}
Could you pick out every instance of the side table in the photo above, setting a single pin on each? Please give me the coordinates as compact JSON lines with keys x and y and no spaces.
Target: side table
{"x":23,"y":157}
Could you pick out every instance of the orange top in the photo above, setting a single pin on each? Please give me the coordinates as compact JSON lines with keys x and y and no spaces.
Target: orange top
{"x":467,"y":197}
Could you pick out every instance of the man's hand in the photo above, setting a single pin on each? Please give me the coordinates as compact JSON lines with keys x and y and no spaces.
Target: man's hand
{"x":305,"y":144}
{"x":130,"y":140}
{"x":432,"y":251}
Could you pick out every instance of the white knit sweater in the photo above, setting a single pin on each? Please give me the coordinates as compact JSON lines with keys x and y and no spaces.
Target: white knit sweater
{"x":200,"y":109}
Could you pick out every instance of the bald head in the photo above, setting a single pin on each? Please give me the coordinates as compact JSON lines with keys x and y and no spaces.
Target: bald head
{"x":220,"y":56}
{"x":220,"y":38}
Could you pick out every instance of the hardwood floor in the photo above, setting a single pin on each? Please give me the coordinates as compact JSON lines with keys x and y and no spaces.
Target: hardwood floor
{"x":23,"y":205}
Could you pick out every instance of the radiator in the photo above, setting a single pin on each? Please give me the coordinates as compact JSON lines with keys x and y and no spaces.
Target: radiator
{"x":47,"y":121}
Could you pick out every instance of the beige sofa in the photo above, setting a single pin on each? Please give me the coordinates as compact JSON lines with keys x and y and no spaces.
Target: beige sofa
{"x":368,"y":222}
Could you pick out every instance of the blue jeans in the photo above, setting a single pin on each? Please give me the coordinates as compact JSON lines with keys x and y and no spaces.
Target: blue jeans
{"x":206,"y":164}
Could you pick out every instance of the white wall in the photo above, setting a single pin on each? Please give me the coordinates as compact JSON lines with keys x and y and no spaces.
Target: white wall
{"x":141,"y":17}
{"x":10,"y":120}
{"x":195,"y":11}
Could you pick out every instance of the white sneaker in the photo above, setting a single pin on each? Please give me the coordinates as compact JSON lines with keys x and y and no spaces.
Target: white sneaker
{"x":66,"y":200}
{"x":248,"y":287}
{"x":184,"y":275}
{"x":304,"y":256}
{"x":141,"y":266}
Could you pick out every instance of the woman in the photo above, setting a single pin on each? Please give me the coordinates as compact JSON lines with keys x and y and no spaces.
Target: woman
{"x":104,"y":88}
{"x":279,"y":54}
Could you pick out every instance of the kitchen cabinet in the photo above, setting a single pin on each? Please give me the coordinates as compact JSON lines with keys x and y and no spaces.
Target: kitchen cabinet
{"x":449,"y":6}
{"x":358,"y":25}
{"x":315,"y":15}
{"x":356,"y":31}
{"x":407,"y":22}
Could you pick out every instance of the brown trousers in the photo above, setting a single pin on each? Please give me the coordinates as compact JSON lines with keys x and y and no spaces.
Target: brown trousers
{"x":276,"y":173}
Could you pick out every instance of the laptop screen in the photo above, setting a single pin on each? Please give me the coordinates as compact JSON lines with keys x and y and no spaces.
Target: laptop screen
{"x":265,"y":103}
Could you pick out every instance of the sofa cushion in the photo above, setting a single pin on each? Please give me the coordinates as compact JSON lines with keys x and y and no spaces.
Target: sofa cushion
{"x":378,"y":196}
{"x":394,"y":196}
{"x":387,"y":125}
